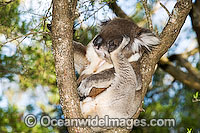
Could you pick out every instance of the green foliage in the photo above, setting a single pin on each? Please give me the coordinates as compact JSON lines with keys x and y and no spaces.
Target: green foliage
{"x":9,"y":20}
{"x":196,"y":95}
{"x":12,"y":121}
{"x":8,"y":66}
{"x":33,"y":65}
{"x":9,"y":17}
{"x":139,"y":13}
{"x":38,"y":67}
{"x":84,"y":35}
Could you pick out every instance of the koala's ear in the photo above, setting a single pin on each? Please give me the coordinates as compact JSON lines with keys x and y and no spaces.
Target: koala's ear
{"x":98,"y":41}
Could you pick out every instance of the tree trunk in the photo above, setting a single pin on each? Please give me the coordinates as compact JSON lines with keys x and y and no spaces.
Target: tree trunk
{"x":62,"y":34}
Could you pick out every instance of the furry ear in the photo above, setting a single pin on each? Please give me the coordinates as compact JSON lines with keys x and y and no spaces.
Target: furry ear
{"x":98,"y":41}
{"x":146,"y":40}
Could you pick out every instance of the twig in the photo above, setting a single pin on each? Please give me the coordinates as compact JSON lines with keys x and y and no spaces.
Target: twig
{"x":6,"y":3}
{"x":49,"y":9}
{"x":163,"y":90}
{"x":149,"y":21}
{"x":169,"y":14}
{"x":184,"y":55}
{"x":31,"y":33}
{"x":190,"y":53}
{"x":90,"y":15}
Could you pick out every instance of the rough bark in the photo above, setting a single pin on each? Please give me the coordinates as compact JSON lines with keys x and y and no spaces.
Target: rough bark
{"x":168,"y":36}
{"x":62,"y":34}
{"x":195,"y":16}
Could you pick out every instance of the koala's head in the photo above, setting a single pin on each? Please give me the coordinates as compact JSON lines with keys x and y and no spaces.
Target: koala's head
{"x":111,"y":35}
{"x":107,"y":44}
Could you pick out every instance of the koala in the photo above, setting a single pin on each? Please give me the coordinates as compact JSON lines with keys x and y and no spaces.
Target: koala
{"x":98,"y":73}
{"x":117,"y":100}
{"x":110,"y":37}
{"x":110,"y":66}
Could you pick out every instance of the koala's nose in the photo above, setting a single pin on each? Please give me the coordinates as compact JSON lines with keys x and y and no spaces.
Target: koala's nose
{"x":98,"y":41}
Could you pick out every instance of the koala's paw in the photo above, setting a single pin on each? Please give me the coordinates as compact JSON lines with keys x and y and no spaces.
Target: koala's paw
{"x":84,"y":88}
{"x":124,"y":42}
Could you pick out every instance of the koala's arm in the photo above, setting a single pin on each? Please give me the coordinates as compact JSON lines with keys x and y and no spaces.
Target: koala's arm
{"x":80,"y":60}
{"x":102,"y":79}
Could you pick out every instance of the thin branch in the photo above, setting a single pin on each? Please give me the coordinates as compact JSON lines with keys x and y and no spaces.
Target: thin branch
{"x":31,"y":33}
{"x":149,"y":21}
{"x":49,"y":9}
{"x":184,"y":63}
{"x":90,"y":15}
{"x":169,"y":14}
{"x":190,"y":53}
{"x":185,"y":78}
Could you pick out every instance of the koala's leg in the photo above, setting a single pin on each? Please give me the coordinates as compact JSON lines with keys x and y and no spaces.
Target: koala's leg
{"x":80,"y":60}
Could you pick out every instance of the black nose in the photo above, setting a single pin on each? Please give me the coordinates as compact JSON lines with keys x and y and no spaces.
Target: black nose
{"x":98,"y":41}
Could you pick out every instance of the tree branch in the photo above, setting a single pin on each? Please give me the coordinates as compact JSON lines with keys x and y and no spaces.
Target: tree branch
{"x":149,"y":21}
{"x":117,"y":10}
{"x":195,"y":17}
{"x":31,"y":33}
{"x":185,"y":78}
{"x":168,"y":36}
{"x":184,"y":63}
{"x":163,"y":6}
{"x":190,"y":53}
